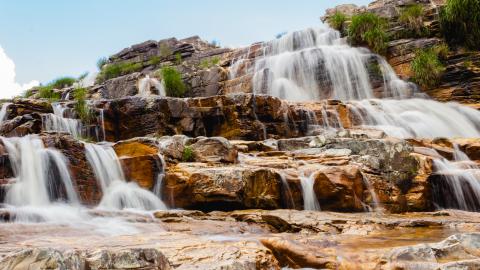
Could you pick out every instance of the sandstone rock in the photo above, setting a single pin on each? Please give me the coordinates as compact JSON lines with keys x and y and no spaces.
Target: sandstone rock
{"x":48,"y":258}
{"x":194,"y":185}
{"x":216,"y":149}
{"x":140,"y":161}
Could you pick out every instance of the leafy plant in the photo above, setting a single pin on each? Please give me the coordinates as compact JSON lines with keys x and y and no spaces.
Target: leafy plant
{"x":101,"y":62}
{"x":412,"y":18}
{"x":172,"y":80}
{"x":369,"y":29}
{"x":427,"y":68}
{"x":28,"y":93}
{"x":460,"y":20}
{"x":81,"y":107}
{"x":337,"y":20}
{"x":188,"y":155}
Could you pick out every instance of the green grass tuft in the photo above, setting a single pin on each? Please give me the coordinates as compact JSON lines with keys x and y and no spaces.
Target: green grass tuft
{"x":172,"y":80}
{"x":368,"y":29}
{"x":188,"y":155}
{"x":460,"y":21}
{"x":81,"y":107}
{"x":412,"y":18}
{"x":427,"y":68}
{"x":337,"y":21}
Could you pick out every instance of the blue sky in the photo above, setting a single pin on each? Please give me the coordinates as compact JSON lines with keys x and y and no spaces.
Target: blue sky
{"x":50,"y":38}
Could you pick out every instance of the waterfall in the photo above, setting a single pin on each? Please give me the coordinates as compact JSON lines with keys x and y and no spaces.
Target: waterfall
{"x":310,"y":201}
{"x":157,"y":189}
{"x":3,"y":112}
{"x":419,"y":118}
{"x":62,"y":121}
{"x":288,"y":197}
{"x":41,"y":174}
{"x":117,"y":192}
{"x":316,"y":64}
{"x":459,"y":183}
{"x":146,"y":84}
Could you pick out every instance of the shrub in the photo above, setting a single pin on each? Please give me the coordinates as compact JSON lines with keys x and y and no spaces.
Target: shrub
{"x":337,"y":20}
{"x":427,"y":68}
{"x":81,"y":107}
{"x":62,"y":82}
{"x":187,"y":154}
{"x":101,"y":62}
{"x":48,"y":93}
{"x":460,"y":21}
{"x":172,"y":80}
{"x":28,"y":93}
{"x":208,"y":63}
{"x":368,"y":29}
{"x":412,"y":18}
{"x":110,"y":71}
{"x":441,"y":51}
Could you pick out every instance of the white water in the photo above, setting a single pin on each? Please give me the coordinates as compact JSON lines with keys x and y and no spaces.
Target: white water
{"x":39,"y":174}
{"x":117,"y":192}
{"x":316,"y":64}
{"x":3,"y":112}
{"x":62,"y":121}
{"x":310,"y":201}
{"x":146,"y":84}
{"x":463,"y":178}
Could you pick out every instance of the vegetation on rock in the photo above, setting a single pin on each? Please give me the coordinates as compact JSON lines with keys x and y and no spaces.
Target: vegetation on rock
{"x":369,"y":29}
{"x":412,"y":18}
{"x":48,"y":93}
{"x":427,"y":67}
{"x":81,"y":107}
{"x":172,"y":80}
{"x":209,"y":62}
{"x":187,"y":154}
{"x":337,"y":20}
{"x":460,"y":20}
{"x":110,"y":71}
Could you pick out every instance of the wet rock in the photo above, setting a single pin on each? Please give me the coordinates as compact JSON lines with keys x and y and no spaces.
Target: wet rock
{"x":22,"y":125}
{"x":195,"y":185}
{"x":140,"y":160}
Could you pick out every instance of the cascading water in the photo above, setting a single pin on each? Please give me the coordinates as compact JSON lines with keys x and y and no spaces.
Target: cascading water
{"x":41,"y":174}
{"x":117,"y":192}
{"x":62,"y":121}
{"x":317,"y":64}
{"x":310,"y":201}
{"x":3,"y":111}
{"x":462,"y":179}
{"x":146,"y":84}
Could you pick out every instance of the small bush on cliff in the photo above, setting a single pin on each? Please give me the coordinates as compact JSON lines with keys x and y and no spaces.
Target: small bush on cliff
{"x":187,"y":154}
{"x":81,"y":107}
{"x":48,"y":93}
{"x":427,"y":68}
{"x":412,"y":18}
{"x":369,"y":29}
{"x":337,"y":20}
{"x":110,"y":71}
{"x":62,"y":82}
{"x":172,"y":80}
{"x":460,"y":21}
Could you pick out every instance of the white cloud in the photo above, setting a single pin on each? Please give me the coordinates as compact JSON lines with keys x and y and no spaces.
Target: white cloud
{"x":8,"y":86}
